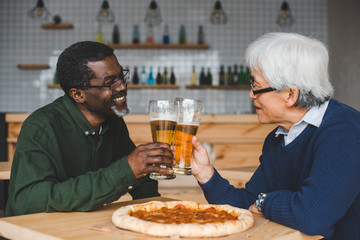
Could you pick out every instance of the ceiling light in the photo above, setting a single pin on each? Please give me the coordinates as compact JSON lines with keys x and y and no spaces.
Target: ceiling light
{"x":218,"y":16}
{"x":105,"y":15}
{"x":285,"y":18}
{"x":153,"y":15}
{"x":39,"y":12}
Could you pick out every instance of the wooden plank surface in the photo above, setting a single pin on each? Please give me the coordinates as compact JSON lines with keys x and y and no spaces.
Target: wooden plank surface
{"x":76,"y":225}
{"x":5,"y":169}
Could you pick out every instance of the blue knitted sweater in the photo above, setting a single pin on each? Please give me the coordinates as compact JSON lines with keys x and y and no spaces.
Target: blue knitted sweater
{"x":313,"y":183}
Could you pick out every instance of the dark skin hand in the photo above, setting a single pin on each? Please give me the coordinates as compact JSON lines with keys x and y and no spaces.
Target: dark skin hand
{"x":143,"y":157}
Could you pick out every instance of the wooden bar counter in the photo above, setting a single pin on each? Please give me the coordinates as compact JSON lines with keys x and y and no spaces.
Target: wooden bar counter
{"x":235,"y":140}
{"x":80,"y":225}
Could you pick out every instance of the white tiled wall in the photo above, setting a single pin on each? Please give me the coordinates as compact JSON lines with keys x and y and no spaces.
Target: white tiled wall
{"x":24,"y":41}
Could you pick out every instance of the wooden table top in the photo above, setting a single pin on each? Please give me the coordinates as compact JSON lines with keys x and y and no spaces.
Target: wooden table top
{"x":5,"y":169}
{"x":75,"y":225}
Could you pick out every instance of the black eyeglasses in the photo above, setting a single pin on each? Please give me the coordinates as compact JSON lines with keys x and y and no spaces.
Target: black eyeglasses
{"x":263,"y":90}
{"x":116,"y":84}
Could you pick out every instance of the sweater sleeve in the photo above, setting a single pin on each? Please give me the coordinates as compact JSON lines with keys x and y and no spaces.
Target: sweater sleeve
{"x":330,"y":189}
{"x":219,"y":191}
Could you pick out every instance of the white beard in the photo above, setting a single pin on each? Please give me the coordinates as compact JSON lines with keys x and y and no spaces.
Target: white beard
{"x":121,"y":113}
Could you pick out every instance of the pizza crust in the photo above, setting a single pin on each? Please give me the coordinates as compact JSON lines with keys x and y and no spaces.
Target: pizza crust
{"x":122,"y":219}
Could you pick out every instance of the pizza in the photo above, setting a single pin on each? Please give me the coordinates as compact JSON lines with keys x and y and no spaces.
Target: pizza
{"x":183,"y":219}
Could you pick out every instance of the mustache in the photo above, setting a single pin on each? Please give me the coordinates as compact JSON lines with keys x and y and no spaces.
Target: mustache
{"x":122,"y":93}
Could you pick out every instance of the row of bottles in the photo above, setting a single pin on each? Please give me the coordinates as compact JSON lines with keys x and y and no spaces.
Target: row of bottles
{"x":148,"y":79}
{"x":231,"y":77}
{"x":116,"y":36}
{"x":166,"y":35}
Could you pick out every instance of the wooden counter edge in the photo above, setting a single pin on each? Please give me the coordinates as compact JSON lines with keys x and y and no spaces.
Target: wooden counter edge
{"x":142,"y":118}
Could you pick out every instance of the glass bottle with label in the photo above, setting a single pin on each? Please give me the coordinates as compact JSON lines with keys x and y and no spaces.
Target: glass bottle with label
{"x":116,"y":34}
{"x":242,"y":75}
{"x":229,"y":76}
{"x":201,"y":35}
{"x":209,"y":77}
{"x":247,"y":76}
{"x":222,"y":75}
{"x":182,"y":35}
{"x":99,"y":35}
{"x":150,"y":34}
{"x":143,"y":77}
{"x":165,"y":76}
{"x":151,"y":80}
{"x":136,"y":34}
{"x":172,"y":77}
{"x":202,"y":78}
{"x":193,"y":76}
{"x":166,"y":35}
{"x":159,"y":77}
{"x":135,"y":79}
{"x":235,"y":75}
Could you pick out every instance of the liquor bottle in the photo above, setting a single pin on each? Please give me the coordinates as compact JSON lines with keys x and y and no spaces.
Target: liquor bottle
{"x":201,"y":35}
{"x":135,"y":79}
{"x":222,"y":75}
{"x":172,"y":77}
{"x":136,"y":34}
{"x":247,"y":76}
{"x":99,"y":35}
{"x":151,"y":80}
{"x":235,"y":75}
{"x":116,"y":34}
{"x":143,"y":77}
{"x":158,"y":77}
{"x":150,"y":34}
{"x":166,"y":35}
{"x":202,"y":78}
{"x":229,"y":76}
{"x":242,"y":75}
{"x":56,"y":80}
{"x":165,"y":76}
{"x":209,"y":77}
{"x":182,"y":35}
{"x":193,"y":76}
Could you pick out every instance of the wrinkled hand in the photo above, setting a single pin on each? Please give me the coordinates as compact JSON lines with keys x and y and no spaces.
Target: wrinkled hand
{"x":253,"y":209}
{"x":143,"y":157}
{"x":200,"y":162}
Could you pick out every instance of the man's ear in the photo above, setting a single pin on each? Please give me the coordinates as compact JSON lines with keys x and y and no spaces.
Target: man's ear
{"x":77,"y":94}
{"x":292,"y":96}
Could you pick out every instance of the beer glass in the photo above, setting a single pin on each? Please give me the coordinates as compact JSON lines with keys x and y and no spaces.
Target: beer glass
{"x":163,"y":116}
{"x":190,"y":112}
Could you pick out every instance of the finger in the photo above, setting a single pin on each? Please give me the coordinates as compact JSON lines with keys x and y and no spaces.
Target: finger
{"x":159,"y":160}
{"x":158,"y":169}
{"x":155,"y":145}
{"x":159,"y":152}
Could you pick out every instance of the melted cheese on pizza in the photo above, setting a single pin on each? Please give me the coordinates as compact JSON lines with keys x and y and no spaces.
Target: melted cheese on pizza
{"x":181,"y":214}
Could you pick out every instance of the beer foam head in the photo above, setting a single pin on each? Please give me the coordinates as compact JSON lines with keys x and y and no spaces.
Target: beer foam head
{"x":190,"y":111}
{"x":163,"y":110}
{"x":154,"y":117}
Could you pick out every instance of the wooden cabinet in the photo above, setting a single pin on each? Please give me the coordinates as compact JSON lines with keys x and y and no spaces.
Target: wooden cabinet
{"x":235,"y":140}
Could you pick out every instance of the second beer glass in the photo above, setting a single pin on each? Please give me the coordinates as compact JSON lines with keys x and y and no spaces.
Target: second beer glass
{"x":163,"y":116}
{"x":190,"y":112}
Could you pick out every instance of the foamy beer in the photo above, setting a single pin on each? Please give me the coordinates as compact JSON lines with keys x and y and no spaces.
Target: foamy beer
{"x":163,"y":116}
{"x":190,"y":112}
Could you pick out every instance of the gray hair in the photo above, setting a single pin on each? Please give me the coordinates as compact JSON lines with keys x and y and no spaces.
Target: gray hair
{"x":289,"y":59}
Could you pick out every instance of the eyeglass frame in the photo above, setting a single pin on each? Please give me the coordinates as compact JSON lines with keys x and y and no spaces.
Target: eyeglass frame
{"x":122,"y":79}
{"x":263,"y":90}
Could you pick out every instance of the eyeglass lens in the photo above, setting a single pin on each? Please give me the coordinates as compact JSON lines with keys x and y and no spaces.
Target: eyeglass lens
{"x":122,"y":81}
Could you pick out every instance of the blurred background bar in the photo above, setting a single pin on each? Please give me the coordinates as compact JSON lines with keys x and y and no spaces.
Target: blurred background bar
{"x":25,"y":41}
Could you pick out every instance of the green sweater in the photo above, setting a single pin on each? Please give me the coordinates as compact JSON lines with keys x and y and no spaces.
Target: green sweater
{"x":62,"y":164}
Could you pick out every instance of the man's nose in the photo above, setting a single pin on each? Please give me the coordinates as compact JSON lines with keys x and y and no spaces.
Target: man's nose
{"x":118,"y":86}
